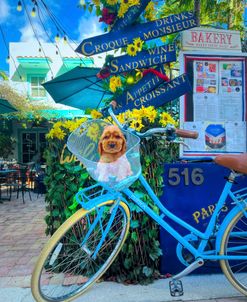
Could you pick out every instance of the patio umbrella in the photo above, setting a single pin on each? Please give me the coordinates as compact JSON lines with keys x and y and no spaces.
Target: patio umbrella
{"x":6,"y":107}
{"x":79,"y":88}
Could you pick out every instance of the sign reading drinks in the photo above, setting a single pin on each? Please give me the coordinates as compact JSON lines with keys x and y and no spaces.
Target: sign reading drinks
{"x":158,"y":96}
{"x":212,"y":39}
{"x":145,"y":31}
{"x":146,"y":58}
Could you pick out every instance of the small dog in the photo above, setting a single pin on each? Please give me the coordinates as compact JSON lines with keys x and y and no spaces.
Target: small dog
{"x":113,"y":161}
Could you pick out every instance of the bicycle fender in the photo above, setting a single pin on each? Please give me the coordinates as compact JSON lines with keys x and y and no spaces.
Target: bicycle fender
{"x":240,"y":206}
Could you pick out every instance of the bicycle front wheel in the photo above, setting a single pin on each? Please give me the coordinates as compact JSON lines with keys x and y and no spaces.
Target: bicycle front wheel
{"x":68,"y":264}
{"x":234,"y":243}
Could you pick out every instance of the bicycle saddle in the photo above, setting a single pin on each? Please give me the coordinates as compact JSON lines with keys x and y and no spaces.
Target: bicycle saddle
{"x":237,"y":163}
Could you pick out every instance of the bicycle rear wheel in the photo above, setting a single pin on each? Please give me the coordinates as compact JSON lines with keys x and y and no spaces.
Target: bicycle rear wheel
{"x":67,"y":265}
{"x":234,"y":243}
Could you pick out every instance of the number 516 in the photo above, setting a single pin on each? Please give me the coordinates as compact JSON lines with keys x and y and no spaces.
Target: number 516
{"x":175,"y":176}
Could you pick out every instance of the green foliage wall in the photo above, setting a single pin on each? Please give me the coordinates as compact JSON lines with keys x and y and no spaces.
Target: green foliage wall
{"x":138,"y":262}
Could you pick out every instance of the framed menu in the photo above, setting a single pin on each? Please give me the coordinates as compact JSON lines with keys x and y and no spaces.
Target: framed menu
{"x":216,"y":107}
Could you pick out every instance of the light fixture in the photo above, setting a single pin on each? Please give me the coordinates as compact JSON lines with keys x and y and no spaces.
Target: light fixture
{"x":7,"y":59}
{"x":19,"y":6}
{"x":57,"y":38}
{"x":33,"y":12}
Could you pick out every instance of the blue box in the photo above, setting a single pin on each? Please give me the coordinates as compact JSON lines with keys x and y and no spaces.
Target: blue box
{"x":191,"y":191}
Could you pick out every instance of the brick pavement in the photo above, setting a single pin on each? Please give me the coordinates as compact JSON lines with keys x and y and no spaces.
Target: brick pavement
{"x":22,"y":235}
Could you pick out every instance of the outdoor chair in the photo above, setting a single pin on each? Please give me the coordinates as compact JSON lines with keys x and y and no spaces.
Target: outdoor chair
{"x":4,"y":188}
{"x":18,"y":181}
{"x":22,"y":181}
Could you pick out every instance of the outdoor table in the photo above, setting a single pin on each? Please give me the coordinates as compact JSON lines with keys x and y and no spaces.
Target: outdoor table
{"x":5,"y":173}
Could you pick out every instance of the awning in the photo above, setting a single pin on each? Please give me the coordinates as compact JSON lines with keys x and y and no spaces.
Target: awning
{"x":34,"y":62}
{"x":79,"y":88}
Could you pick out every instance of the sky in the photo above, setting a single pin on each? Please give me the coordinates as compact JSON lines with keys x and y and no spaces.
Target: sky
{"x":16,"y":26}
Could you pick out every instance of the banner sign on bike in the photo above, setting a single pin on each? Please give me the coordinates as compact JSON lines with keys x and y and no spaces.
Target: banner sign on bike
{"x":146,"y":84}
{"x":144,"y":59}
{"x":130,"y":16}
{"x":164,"y":93}
{"x":146,"y":31}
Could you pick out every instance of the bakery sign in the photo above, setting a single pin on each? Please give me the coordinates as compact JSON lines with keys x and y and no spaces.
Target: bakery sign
{"x":211,"y":39}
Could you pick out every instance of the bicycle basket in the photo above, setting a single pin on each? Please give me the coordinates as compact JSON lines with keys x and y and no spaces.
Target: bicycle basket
{"x":83,"y":143}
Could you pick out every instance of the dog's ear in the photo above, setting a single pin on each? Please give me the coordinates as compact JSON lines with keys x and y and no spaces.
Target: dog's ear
{"x":100,"y":148}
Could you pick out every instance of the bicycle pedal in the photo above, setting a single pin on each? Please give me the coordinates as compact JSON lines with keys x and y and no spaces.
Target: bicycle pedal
{"x":176,"y":288}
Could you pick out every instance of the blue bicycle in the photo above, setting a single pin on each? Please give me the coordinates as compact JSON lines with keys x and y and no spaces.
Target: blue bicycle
{"x":82,"y":249}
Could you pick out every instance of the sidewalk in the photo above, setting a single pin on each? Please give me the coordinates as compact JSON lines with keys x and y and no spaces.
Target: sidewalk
{"x":22,"y":235}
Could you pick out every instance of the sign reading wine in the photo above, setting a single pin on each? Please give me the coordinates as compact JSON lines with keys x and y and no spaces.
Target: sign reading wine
{"x":144,"y":59}
{"x":146,"y":31}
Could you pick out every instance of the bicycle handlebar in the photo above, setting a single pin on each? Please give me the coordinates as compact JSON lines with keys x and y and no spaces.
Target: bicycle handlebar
{"x":168,"y":130}
{"x":186,"y":133}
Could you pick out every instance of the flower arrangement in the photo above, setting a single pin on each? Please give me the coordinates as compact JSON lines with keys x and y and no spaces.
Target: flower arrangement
{"x":110,"y":10}
{"x":139,"y":119}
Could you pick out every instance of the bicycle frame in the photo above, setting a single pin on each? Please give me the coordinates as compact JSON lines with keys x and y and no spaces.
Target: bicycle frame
{"x":204,"y":236}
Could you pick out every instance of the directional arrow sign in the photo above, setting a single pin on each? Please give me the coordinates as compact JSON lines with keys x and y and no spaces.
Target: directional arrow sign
{"x":145,"y":31}
{"x":144,"y":59}
{"x":164,"y":93}
{"x":130,"y":16}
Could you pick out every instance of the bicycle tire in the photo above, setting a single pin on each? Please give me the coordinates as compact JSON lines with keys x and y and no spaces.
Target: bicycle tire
{"x":49,"y":273}
{"x":232,"y":268}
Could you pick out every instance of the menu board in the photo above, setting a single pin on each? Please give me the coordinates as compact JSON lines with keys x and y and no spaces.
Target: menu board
{"x":217,"y":107}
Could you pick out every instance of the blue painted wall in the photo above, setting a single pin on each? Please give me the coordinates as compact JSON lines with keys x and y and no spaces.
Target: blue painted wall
{"x":190,"y":192}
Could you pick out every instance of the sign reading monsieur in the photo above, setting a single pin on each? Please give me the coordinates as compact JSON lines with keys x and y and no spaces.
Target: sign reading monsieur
{"x":145,"y":31}
{"x":146,"y":58}
{"x":164,"y":93}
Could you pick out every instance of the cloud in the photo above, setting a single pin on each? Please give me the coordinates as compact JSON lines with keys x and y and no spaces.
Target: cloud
{"x":27,"y":34}
{"x":4,"y":11}
{"x":89,"y":27}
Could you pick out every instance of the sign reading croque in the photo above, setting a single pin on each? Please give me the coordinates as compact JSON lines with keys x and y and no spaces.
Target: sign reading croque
{"x":145,"y":31}
{"x":211,"y":39}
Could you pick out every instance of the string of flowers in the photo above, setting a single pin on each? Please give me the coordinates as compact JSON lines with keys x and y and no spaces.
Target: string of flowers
{"x":139,"y":119}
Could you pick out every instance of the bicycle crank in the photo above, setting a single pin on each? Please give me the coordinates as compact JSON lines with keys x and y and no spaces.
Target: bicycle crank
{"x":175,"y":285}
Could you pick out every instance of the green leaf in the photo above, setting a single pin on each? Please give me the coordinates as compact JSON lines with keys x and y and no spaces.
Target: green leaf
{"x":134,"y":236}
{"x":134,"y":224}
{"x":147,"y":271}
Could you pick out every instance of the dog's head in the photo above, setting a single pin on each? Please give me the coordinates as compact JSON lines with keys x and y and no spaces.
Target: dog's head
{"x":112,"y":142}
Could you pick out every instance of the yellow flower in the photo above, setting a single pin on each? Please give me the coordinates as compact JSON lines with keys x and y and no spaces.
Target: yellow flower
{"x":96,"y":2}
{"x":150,"y":11}
{"x":132,"y":50}
{"x":111,"y":2}
{"x":137,"y":125}
{"x":132,"y":2}
{"x":166,"y":118}
{"x":93,"y":132}
{"x":95,"y":114}
{"x":115,"y":82}
{"x":56,"y":132}
{"x":163,"y":39}
{"x":151,"y":115}
{"x":122,"y":10}
{"x":138,"y":43}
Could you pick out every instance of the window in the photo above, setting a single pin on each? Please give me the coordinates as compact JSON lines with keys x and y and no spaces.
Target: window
{"x":37,"y":90}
